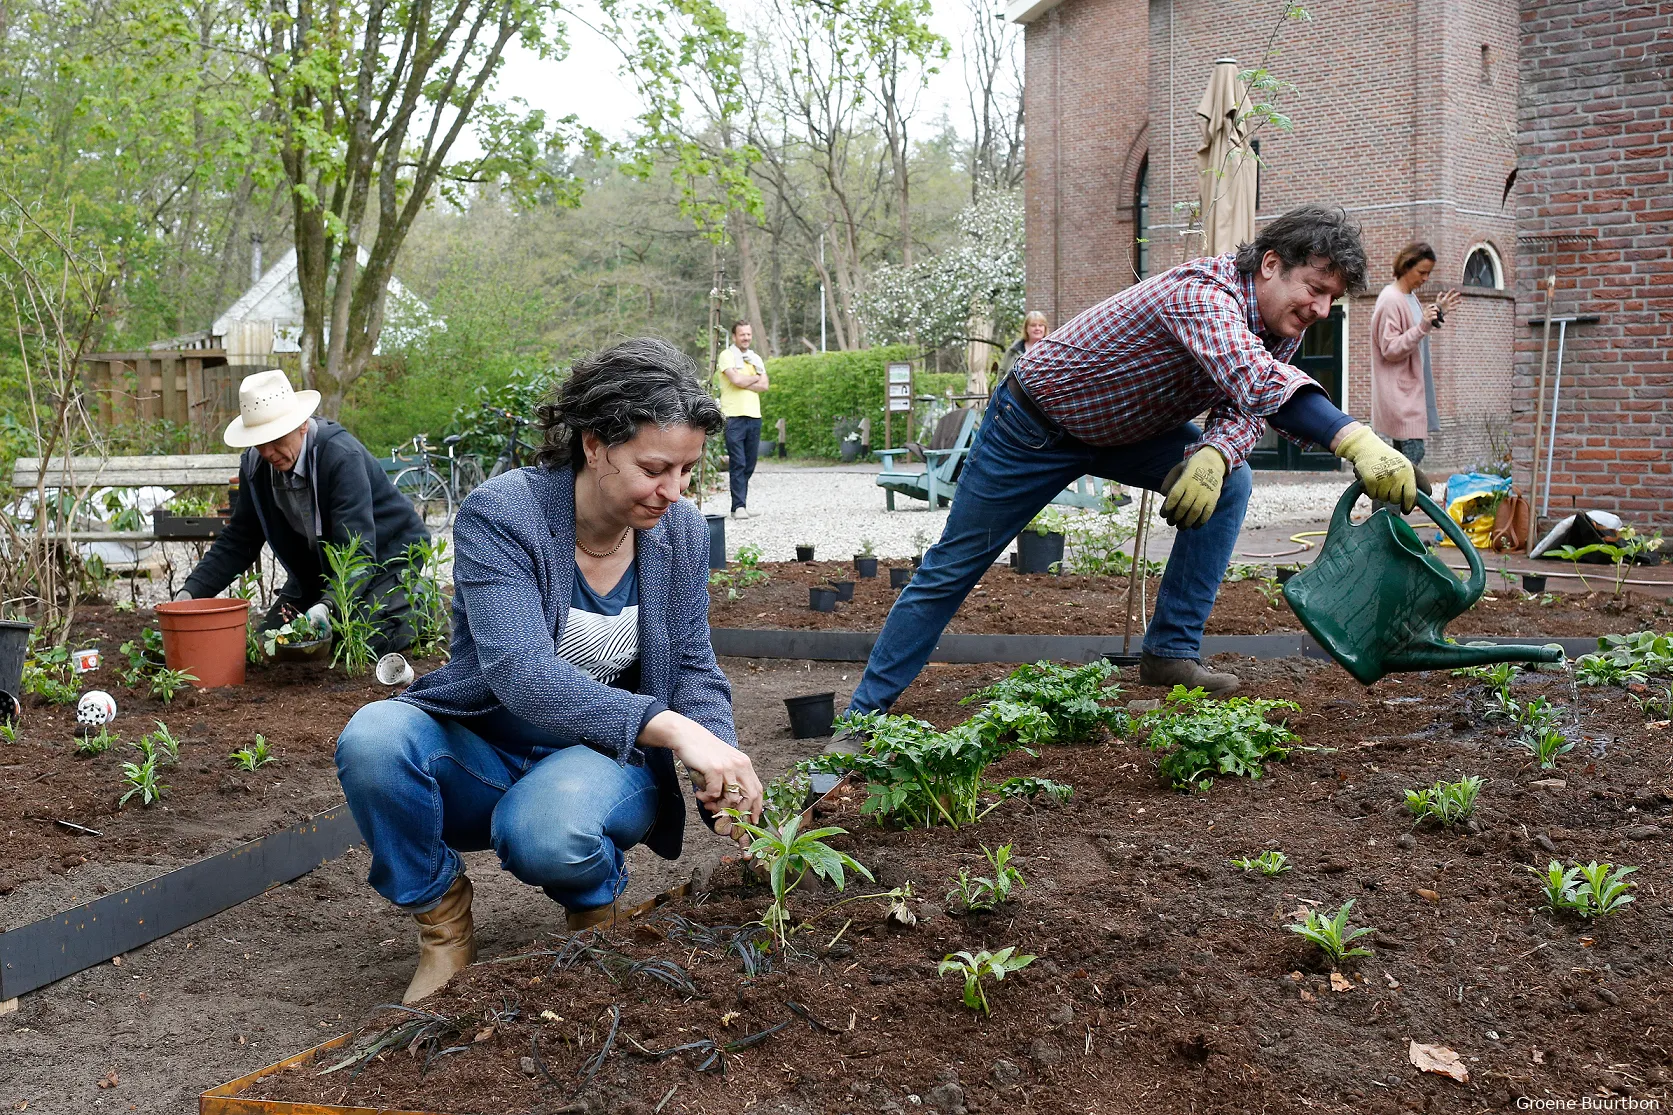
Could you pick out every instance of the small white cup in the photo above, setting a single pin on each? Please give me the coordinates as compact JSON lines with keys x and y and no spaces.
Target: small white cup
{"x":394,"y":670}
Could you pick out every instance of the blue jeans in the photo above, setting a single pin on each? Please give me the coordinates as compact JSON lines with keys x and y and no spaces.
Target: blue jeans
{"x":1015,"y":468}
{"x":423,"y":789}
{"x":743,"y":446}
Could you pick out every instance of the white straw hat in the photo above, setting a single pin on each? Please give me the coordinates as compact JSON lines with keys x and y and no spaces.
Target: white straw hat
{"x":268,"y":409}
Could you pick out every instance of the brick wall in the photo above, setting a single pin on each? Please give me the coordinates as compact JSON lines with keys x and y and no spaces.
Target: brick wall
{"x":1399,"y":115}
{"x":1596,"y":166}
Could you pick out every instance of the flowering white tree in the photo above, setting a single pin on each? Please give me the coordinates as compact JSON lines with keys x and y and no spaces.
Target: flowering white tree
{"x":934,"y":301}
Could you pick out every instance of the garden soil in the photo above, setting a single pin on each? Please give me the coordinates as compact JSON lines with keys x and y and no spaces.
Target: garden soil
{"x":1009,"y":603}
{"x":1166,"y":980}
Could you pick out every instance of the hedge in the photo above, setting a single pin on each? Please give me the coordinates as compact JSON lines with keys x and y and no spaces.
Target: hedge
{"x":811,"y":392}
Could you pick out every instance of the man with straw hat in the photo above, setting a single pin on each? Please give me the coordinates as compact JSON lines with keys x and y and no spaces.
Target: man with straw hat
{"x":303,"y":482}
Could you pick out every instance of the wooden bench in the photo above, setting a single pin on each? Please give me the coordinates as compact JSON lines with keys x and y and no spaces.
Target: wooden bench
{"x":87,"y":473}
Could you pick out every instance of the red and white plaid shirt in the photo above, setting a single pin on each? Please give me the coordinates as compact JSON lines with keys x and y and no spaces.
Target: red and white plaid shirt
{"x":1160,"y":353}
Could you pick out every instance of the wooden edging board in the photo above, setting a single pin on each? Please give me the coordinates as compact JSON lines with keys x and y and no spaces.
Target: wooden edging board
{"x":41,"y":952}
{"x":855,"y":646}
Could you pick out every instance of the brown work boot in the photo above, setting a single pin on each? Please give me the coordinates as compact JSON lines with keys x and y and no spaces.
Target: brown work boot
{"x":1188,"y":672}
{"x":599,"y":916}
{"x":446,"y":941}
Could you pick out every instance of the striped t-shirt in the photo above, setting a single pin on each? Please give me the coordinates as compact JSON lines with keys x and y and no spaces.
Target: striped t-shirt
{"x":601,"y":632}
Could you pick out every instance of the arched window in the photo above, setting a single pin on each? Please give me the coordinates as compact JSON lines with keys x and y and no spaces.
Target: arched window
{"x":1481,"y":269}
{"x":1141,"y":220}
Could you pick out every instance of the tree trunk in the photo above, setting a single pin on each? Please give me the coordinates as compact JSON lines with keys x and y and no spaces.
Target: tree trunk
{"x":743,"y":236}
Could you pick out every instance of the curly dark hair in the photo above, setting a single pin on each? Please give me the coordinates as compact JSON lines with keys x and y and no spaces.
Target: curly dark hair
{"x":1306,"y":235}
{"x":615,"y":391}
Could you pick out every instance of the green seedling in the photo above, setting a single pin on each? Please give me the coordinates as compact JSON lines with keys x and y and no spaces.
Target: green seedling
{"x":1203,"y":737}
{"x":90,"y":745}
{"x":420,"y":577}
{"x":1644,"y":653}
{"x":47,"y":674}
{"x":1070,"y":696}
{"x":1446,"y":802}
{"x":257,"y":755}
{"x":744,"y":571}
{"x":789,"y":854}
{"x":1242,"y":571}
{"x":1032,"y":788}
{"x":145,"y":657}
{"x":988,"y":892}
{"x":975,"y":967}
{"x":1545,"y":744}
{"x":1271,"y":591}
{"x":1329,"y":933}
{"x":8,"y":731}
{"x":1593,"y":891}
{"x":165,"y":683}
{"x":350,"y":570}
{"x":1595,"y":669}
{"x":1653,"y":706}
{"x":867,"y":549}
{"x":1268,"y":863}
{"x":1537,"y":715}
{"x":785,"y":797}
{"x":141,"y":779}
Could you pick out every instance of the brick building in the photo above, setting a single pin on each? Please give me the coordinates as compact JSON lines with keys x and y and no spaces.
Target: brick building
{"x":1405,"y":113}
{"x":1594,"y":207}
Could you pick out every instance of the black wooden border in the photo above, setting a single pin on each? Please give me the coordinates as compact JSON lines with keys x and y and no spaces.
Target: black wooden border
{"x":855,"y":646}
{"x":34,"y":955}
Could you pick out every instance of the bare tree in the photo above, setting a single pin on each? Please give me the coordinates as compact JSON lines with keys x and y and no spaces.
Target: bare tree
{"x":993,"y":86}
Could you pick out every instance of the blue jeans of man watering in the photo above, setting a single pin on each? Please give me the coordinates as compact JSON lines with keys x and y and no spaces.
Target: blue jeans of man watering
{"x":424,"y":788}
{"x":1015,"y":468}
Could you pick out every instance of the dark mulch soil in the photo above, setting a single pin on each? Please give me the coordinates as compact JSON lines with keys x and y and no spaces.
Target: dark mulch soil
{"x":1008,"y":603}
{"x":1166,"y":980}
{"x":299,"y":708}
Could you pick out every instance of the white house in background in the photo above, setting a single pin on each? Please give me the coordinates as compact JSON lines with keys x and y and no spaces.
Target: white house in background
{"x":266,"y":320}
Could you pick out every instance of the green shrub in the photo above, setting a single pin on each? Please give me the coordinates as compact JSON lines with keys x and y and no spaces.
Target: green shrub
{"x":811,"y":392}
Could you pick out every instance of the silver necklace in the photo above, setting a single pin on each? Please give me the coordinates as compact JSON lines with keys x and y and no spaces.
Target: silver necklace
{"x":582,"y":547}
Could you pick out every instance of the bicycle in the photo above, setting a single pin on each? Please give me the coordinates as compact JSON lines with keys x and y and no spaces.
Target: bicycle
{"x":423,"y":484}
{"x":511,"y":456}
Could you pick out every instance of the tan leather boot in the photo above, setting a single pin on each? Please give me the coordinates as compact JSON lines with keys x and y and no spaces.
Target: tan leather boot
{"x":1188,"y":672}
{"x":606,"y":916}
{"x":446,"y":941}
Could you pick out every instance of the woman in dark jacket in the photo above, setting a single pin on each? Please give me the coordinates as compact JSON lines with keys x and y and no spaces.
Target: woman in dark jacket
{"x":581,"y":669}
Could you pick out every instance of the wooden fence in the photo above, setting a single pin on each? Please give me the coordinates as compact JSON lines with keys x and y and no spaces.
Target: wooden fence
{"x":195,"y":390}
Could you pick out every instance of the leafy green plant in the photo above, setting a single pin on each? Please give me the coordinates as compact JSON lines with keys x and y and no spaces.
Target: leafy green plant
{"x":1271,"y":591}
{"x":920,"y":542}
{"x":867,"y":549}
{"x":925,"y":776}
{"x":159,"y":745}
{"x":785,"y":797}
{"x":141,"y":779}
{"x":1621,"y":554}
{"x":145,"y":658}
{"x":96,"y":743}
{"x":1097,"y":544}
{"x":1642,"y":653}
{"x":1446,"y":802}
{"x":1269,"y":863}
{"x":47,"y":674}
{"x":1595,"y":669}
{"x":8,"y":731}
{"x":1545,"y":744}
{"x":987,"y":892}
{"x":1329,"y":933}
{"x":297,"y":630}
{"x":744,"y":571}
{"x":1070,"y":697}
{"x":165,"y":683}
{"x":979,"y":966}
{"x":1202,"y":737}
{"x":247,"y":587}
{"x":1242,"y":571}
{"x":1593,"y":891}
{"x":349,"y":570}
{"x":1538,"y":715}
{"x":419,"y":574}
{"x":256,"y":755}
{"x":1654,"y":706}
{"x":789,"y":854}
{"x":1050,"y":520}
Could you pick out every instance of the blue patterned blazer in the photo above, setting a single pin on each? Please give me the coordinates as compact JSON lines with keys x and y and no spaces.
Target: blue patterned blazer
{"x":513,"y":573}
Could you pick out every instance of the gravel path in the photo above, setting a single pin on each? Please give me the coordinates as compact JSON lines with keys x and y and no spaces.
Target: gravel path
{"x":835,"y":508}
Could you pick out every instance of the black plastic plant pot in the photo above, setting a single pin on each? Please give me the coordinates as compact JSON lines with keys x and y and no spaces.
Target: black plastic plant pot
{"x":1285,"y":572}
{"x":844,"y":589}
{"x":717,"y":541}
{"x":865,"y":566}
{"x":821,"y":599}
{"x":898,"y":577}
{"x":14,"y":648}
{"x":804,"y":553}
{"x":811,"y":715}
{"x":1037,"y":553}
{"x":850,"y":451}
{"x":1533,"y":582}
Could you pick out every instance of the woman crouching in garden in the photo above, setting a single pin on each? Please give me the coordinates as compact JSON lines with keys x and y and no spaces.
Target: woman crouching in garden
{"x":581,"y":669}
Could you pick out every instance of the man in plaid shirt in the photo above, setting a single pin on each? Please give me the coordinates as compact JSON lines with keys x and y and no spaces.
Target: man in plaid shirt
{"x":1112,"y":394}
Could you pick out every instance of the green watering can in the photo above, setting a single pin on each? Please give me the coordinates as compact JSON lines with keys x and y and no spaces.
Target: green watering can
{"x":1379,"y":602}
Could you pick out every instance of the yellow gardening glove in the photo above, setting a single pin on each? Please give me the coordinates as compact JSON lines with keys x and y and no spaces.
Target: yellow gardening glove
{"x":1386,"y":474}
{"x":1193,"y":489}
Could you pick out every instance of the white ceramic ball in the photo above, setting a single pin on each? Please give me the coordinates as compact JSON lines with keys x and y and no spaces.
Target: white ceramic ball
{"x":96,"y":707}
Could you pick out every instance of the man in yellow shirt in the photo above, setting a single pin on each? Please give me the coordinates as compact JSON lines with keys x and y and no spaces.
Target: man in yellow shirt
{"x":742,"y":379}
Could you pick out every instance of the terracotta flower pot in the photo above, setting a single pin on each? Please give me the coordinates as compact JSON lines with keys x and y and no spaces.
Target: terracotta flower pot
{"x":205,"y":638}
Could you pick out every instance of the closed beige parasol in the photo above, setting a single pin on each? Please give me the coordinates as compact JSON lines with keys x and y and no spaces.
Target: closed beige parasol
{"x":1225,"y":164}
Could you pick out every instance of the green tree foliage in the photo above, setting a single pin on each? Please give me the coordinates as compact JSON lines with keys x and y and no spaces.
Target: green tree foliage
{"x":811,"y":392}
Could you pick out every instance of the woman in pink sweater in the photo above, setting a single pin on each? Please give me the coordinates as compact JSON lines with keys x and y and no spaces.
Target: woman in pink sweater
{"x":1402,"y":382}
